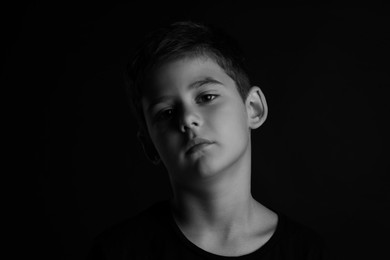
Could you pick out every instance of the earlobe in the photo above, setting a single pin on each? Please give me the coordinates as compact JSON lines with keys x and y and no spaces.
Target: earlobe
{"x":149,"y":149}
{"x":257,"y":108}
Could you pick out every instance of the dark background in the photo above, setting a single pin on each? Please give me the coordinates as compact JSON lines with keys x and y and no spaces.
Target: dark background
{"x":321,"y":157}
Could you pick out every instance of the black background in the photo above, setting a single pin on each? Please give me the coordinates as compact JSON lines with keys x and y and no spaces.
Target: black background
{"x":321,"y":157}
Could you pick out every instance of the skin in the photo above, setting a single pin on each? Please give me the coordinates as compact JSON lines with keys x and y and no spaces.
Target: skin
{"x":194,"y":98}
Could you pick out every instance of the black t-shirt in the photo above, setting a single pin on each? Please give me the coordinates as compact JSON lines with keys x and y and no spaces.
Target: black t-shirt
{"x":154,"y":234}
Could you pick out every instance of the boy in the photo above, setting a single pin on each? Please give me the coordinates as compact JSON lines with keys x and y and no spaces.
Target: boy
{"x":196,"y":109}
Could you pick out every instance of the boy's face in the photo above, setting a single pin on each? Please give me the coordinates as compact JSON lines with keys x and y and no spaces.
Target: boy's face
{"x":193,"y":100}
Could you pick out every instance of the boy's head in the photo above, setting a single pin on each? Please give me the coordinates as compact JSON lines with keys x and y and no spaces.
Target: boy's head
{"x":194,"y":101}
{"x":179,"y":40}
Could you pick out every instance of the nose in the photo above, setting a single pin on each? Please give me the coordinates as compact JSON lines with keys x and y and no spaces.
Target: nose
{"x":190,"y":119}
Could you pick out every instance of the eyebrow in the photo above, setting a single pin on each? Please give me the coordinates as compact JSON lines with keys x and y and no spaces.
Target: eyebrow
{"x":205,"y":81}
{"x":194,"y":85}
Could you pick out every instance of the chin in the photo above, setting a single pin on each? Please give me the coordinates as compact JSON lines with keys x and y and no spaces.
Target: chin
{"x":205,"y":167}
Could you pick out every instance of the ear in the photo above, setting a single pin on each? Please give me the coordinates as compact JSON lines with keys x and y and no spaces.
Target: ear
{"x":257,"y":108}
{"x":148,"y":147}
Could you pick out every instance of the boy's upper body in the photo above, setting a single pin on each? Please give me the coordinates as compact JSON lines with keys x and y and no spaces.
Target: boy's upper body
{"x":196,"y":111}
{"x":212,"y":202}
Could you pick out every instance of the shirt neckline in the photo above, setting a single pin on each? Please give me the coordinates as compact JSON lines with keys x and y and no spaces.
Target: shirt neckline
{"x":262,"y":250}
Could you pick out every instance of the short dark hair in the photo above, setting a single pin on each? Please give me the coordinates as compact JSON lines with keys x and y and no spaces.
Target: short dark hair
{"x":178,"y":40}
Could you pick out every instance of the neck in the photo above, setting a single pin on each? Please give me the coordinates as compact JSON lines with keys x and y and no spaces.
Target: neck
{"x":222,"y":203}
{"x":213,"y":212}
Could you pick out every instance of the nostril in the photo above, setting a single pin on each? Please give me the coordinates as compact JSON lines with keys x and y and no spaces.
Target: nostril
{"x":188,"y":126}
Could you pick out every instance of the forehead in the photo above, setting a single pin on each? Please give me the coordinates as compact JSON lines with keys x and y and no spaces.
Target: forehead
{"x":180,"y":73}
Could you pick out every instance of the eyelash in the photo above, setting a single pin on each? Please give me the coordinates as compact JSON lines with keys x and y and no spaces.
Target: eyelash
{"x":208,"y":95}
{"x":159,"y":116}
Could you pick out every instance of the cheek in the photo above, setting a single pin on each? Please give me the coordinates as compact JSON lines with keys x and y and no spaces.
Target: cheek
{"x":166,"y":144}
{"x":230,"y":116}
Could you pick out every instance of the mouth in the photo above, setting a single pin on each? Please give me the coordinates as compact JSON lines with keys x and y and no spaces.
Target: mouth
{"x":197,"y":144}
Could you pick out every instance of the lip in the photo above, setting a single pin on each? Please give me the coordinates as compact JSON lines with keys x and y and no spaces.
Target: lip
{"x":196,"y":144}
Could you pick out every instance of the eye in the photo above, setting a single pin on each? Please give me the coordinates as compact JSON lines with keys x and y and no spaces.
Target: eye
{"x":206,"y":98}
{"x":164,"y":114}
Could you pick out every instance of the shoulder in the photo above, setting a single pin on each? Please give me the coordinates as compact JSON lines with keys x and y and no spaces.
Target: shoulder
{"x":297,"y":231}
{"x":141,"y":224}
{"x":131,"y":235}
{"x":298,"y":239}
